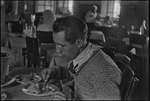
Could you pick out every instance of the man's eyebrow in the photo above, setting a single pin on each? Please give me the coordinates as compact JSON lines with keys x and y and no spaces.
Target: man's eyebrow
{"x":60,"y":44}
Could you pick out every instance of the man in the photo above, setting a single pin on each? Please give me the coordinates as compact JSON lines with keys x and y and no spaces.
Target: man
{"x":94,"y":73}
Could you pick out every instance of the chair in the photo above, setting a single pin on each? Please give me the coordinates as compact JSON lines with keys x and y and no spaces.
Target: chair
{"x":122,"y":32}
{"x":128,"y":82}
{"x":97,"y":37}
{"x":109,"y":51}
{"x":137,"y":41}
{"x":118,"y":44}
{"x":123,"y":58}
{"x":33,"y":52}
{"x":137,"y":63}
{"x":131,"y":92}
{"x":24,"y":53}
{"x":90,"y":27}
{"x":45,"y":37}
{"x":106,"y":30}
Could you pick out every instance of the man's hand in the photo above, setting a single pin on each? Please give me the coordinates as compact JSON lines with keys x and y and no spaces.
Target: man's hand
{"x":46,"y":74}
{"x":59,"y":96}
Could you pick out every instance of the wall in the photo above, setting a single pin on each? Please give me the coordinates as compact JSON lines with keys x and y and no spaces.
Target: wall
{"x":132,"y":13}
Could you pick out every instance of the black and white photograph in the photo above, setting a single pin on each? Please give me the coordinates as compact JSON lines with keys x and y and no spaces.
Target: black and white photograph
{"x":75,"y":50}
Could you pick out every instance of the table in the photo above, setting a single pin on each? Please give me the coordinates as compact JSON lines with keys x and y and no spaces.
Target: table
{"x":16,"y":41}
{"x":18,"y":44}
{"x":14,"y":92}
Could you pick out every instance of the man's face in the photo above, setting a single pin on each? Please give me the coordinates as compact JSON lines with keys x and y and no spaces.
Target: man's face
{"x":63,"y":47}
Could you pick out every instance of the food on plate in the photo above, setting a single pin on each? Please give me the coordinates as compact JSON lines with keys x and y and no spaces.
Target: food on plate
{"x":34,"y":88}
{"x":39,"y":88}
{"x":35,"y":78}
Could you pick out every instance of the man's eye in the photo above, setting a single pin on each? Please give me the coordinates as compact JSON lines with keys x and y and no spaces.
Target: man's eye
{"x":59,"y":45}
{"x":62,"y":45}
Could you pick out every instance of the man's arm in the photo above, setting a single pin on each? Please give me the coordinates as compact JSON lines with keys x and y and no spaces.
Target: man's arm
{"x":59,"y":72}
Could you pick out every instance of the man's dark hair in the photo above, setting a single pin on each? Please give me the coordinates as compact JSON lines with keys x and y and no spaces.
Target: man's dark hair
{"x":74,"y":28}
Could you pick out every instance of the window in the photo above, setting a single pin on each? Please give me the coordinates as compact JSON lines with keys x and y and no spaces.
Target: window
{"x":45,"y":5}
{"x":60,"y":7}
{"x":64,"y":7}
{"x":116,"y":9}
{"x":70,"y":6}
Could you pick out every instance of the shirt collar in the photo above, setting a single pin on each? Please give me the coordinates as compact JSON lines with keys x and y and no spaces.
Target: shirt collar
{"x":85,"y":55}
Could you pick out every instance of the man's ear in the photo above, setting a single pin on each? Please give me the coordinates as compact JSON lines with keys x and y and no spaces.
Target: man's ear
{"x":79,"y":43}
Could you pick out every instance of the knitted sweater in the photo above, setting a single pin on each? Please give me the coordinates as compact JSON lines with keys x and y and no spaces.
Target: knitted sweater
{"x":98,"y":79}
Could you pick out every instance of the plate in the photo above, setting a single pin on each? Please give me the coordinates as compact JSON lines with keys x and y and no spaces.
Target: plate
{"x":3,"y":96}
{"x":49,"y":93}
{"x":8,"y":82}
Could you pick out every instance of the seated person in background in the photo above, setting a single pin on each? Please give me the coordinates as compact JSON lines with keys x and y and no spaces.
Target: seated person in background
{"x":93,"y":16}
{"x":107,"y":21}
{"x":94,"y":74}
{"x":48,"y":19}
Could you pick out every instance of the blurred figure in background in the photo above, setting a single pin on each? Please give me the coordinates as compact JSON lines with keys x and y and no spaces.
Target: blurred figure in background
{"x":93,"y":16}
{"x":107,"y":21}
{"x":48,"y":19}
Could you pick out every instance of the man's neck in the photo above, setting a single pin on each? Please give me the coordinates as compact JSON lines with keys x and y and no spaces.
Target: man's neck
{"x":83,"y":47}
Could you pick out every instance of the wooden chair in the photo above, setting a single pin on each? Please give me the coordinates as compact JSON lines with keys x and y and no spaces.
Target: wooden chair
{"x":123,"y":58}
{"x":118,"y":44}
{"x":137,"y":63}
{"x":109,"y":51}
{"x":137,"y":41}
{"x":34,"y":53}
{"x":128,"y":82}
{"x":24,"y":54}
{"x":45,"y":37}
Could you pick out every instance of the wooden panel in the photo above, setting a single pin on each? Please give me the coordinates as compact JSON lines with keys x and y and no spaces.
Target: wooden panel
{"x":133,"y":14}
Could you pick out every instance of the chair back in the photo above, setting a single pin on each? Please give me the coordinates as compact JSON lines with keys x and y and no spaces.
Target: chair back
{"x":109,"y":51}
{"x":137,"y":62}
{"x":33,"y":50}
{"x":45,"y":37}
{"x":132,"y":90}
{"x":118,"y":44}
{"x":90,"y":28}
{"x":137,"y":41}
{"x":126,"y":81}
